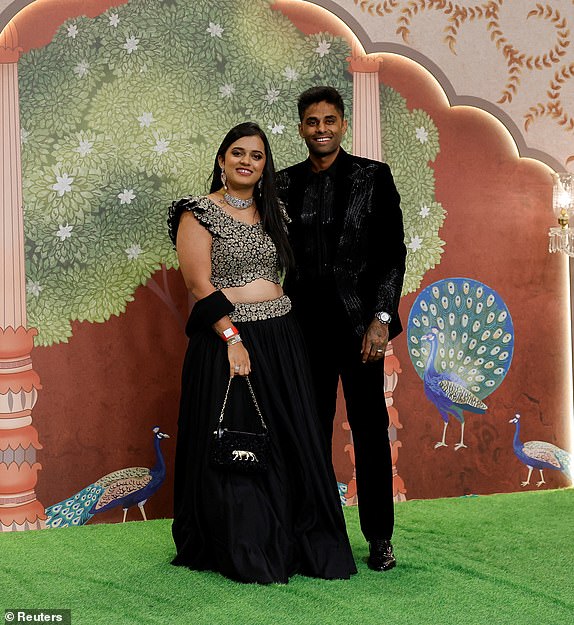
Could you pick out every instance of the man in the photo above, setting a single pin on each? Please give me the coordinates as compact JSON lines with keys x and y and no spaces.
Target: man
{"x":347,"y":238}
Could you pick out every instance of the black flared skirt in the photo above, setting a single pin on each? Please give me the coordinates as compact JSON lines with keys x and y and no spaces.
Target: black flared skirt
{"x":260,"y":528}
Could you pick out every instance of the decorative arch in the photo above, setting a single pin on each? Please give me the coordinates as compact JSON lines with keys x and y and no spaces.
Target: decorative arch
{"x":9,"y":8}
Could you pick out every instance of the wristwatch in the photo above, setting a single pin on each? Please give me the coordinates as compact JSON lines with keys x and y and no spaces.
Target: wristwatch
{"x":383,"y":317}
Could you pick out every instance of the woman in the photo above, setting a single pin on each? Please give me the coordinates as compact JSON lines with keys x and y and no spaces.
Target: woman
{"x":263,"y":528}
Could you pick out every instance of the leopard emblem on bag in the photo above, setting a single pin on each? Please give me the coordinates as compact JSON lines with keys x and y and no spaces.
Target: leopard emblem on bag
{"x":239,"y":454}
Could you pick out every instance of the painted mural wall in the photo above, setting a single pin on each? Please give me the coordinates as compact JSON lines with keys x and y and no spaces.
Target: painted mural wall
{"x":120,"y":108}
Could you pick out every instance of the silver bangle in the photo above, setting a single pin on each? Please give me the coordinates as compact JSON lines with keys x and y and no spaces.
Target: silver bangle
{"x":234,"y":339}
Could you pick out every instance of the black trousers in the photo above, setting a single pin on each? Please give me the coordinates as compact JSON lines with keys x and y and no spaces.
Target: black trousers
{"x":335,"y":351}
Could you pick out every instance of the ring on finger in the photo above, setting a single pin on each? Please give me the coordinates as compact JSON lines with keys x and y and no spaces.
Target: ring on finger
{"x":236,"y":368}
{"x":380,"y":351}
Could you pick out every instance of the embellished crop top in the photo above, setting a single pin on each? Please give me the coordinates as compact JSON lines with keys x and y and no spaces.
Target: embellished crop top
{"x":240,"y":252}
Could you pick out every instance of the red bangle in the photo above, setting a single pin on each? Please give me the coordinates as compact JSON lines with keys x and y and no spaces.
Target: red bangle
{"x":227,"y":334}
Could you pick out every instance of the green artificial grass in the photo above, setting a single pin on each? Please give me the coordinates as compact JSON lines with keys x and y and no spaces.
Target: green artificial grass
{"x":495,"y":560}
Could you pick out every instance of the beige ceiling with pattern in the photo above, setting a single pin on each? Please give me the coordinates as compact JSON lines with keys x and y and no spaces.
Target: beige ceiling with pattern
{"x":512,"y":58}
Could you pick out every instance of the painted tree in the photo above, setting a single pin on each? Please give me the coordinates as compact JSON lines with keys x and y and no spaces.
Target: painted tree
{"x":123,"y":113}
{"x":410,"y":143}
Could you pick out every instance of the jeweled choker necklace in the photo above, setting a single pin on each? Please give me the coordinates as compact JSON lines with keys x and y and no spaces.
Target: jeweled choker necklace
{"x":237,"y":202}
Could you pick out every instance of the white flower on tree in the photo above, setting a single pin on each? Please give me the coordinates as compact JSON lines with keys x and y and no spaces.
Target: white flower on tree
{"x":126,"y":196}
{"x":323,"y":48}
{"x":226,"y":91}
{"x":161,"y":146}
{"x":415,"y":244}
{"x":82,"y":68}
{"x":64,"y":232}
{"x":146,"y":120}
{"x":33,"y":288}
{"x":215,"y":30}
{"x":114,"y":20}
{"x":85,"y":147}
{"x":131,"y":44}
{"x":271,"y":96}
{"x":133,"y":252}
{"x":63,"y":184}
{"x":422,"y":134}
{"x":72,"y":31}
{"x":291,"y":74}
{"x":424,"y":211}
{"x":276,"y":129}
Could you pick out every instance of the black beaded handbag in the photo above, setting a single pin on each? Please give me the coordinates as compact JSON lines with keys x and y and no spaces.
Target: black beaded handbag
{"x":242,"y":452}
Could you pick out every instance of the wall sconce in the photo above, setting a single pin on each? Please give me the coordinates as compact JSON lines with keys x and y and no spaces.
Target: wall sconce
{"x":562,"y":239}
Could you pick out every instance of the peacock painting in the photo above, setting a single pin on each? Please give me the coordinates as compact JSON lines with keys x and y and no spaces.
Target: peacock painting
{"x":125,"y":487}
{"x":461,"y":342}
{"x":540,"y":455}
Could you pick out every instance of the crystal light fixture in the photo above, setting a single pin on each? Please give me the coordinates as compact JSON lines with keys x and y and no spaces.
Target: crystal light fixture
{"x":561,"y":239}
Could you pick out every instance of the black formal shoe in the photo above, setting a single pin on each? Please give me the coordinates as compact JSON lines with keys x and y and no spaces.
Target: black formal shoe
{"x":381,"y":556}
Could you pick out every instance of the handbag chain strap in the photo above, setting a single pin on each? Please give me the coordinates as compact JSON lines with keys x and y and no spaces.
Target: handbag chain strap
{"x":252,"y":397}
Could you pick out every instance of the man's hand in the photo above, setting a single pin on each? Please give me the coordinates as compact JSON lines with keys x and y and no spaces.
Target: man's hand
{"x":375,"y":341}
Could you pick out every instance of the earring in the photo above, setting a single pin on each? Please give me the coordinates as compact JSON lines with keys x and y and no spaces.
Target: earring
{"x":223,"y":178}
{"x":260,"y":184}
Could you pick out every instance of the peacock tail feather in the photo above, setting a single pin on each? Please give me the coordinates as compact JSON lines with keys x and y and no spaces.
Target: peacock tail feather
{"x":565,"y":460}
{"x":549,"y":453}
{"x":81,"y":507}
{"x":462,"y":396}
{"x":75,"y":510}
{"x":122,"y":487}
{"x":123,"y":474}
{"x":475,"y":334}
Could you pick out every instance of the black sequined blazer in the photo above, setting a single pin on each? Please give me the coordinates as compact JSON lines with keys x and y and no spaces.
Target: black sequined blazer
{"x":369,"y":263}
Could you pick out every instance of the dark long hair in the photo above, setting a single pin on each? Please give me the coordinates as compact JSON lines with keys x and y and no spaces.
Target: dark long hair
{"x":266,"y":197}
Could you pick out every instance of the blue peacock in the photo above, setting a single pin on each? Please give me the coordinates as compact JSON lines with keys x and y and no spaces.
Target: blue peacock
{"x":126,"y":487}
{"x":461,"y":342}
{"x":540,"y":455}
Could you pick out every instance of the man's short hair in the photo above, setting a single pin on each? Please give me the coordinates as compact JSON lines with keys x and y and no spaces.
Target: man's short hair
{"x":320,"y":94}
